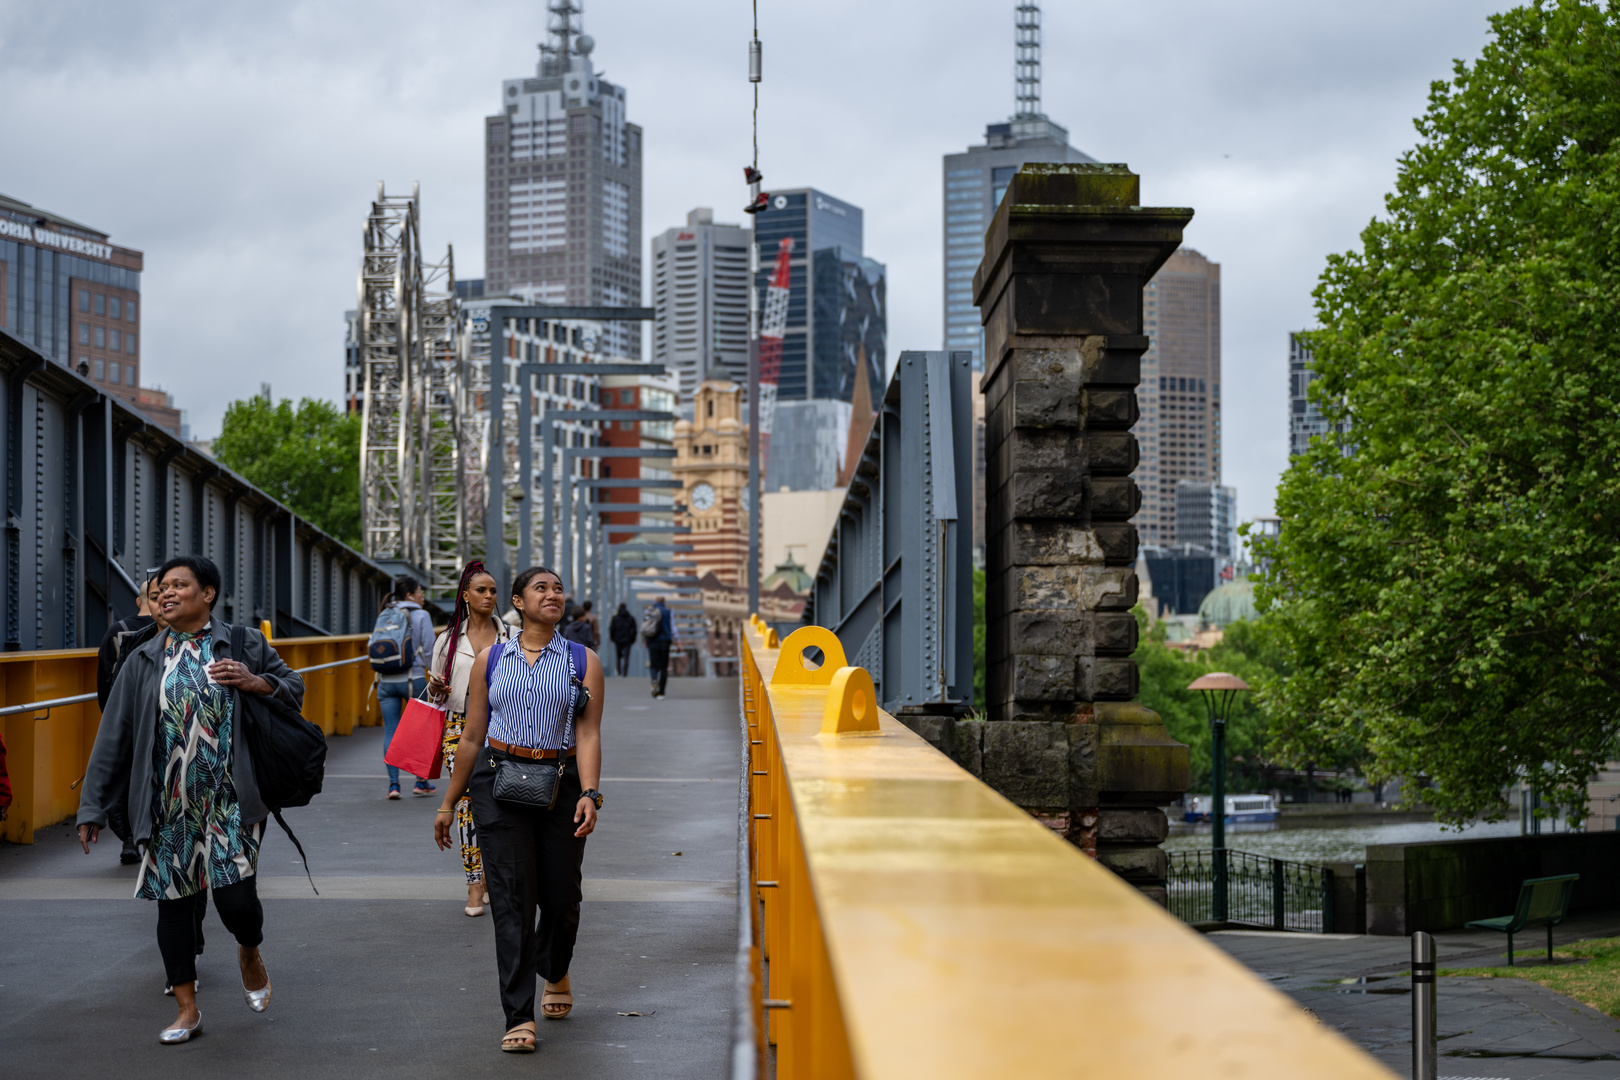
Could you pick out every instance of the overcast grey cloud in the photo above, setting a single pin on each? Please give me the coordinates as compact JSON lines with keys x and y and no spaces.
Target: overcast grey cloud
{"x":239,"y":144}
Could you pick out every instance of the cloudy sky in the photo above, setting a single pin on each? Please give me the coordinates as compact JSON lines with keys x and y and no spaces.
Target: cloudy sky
{"x":238,"y":145}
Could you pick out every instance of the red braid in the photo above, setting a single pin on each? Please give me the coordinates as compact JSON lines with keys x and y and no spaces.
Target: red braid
{"x":471,"y":570}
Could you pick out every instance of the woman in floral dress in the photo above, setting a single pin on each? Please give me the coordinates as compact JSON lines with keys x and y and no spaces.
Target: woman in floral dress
{"x":170,"y":745}
{"x":474,"y":628}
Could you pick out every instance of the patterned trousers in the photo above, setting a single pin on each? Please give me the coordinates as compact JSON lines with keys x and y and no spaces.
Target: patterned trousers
{"x":471,"y":860}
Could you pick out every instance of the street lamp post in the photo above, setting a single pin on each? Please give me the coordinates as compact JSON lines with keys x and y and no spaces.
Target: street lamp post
{"x":1218,"y":690}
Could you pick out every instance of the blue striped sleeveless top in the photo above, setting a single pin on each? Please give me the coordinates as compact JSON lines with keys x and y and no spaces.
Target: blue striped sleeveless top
{"x":529,"y":704}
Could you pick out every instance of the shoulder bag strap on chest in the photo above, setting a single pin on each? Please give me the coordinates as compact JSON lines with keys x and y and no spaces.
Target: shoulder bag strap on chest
{"x":495,"y":651}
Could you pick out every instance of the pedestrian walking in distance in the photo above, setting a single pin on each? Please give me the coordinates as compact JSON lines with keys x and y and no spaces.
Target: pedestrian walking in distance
{"x":534,"y":710}
{"x":173,"y":747}
{"x":401,"y":644}
{"x":122,"y":639}
{"x":474,"y":628}
{"x":658,"y":631}
{"x":622,"y":632}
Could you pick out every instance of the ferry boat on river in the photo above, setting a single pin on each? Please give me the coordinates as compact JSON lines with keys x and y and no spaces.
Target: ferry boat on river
{"x":1239,"y":808}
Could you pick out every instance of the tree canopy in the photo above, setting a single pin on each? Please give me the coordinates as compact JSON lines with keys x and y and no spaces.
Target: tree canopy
{"x":1446,"y":581}
{"x":308,"y":457}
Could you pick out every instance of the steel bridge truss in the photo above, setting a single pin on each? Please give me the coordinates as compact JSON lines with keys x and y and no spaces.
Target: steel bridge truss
{"x":414,"y":440}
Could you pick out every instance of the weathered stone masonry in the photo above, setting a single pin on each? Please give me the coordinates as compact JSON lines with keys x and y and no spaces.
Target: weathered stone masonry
{"x":1060,"y":293}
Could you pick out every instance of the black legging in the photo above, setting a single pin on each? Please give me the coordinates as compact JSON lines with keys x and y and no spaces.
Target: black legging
{"x":179,"y":929}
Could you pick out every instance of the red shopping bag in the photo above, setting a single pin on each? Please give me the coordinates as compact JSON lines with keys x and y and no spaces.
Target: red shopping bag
{"x":418,"y":743}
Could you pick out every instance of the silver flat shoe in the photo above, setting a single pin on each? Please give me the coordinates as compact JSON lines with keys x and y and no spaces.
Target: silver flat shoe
{"x":258,"y":1000}
{"x":180,"y":1035}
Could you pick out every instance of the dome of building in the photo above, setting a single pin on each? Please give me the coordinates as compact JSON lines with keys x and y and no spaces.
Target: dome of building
{"x":791,"y":573}
{"x":683,"y":427}
{"x":1232,"y":602}
{"x":728,"y":426}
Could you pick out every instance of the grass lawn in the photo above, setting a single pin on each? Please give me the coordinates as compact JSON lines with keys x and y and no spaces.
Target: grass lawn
{"x":1595,"y":983}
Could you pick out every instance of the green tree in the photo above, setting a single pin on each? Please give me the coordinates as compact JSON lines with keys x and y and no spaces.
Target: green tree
{"x":1446,"y":582}
{"x":308,"y":457}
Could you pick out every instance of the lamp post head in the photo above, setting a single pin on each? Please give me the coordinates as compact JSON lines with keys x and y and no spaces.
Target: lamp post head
{"x":1218,"y":689}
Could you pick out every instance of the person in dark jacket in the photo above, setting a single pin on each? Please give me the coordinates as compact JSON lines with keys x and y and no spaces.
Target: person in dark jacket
{"x":121,"y":639}
{"x":622,"y":632}
{"x":658,"y":647}
{"x":171,"y":749}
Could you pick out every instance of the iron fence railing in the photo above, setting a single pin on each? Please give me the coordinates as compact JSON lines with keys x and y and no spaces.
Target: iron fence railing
{"x":1275,"y":894}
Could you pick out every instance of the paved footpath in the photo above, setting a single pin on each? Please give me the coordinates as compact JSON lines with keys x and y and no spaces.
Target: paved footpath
{"x":382,"y":975}
{"x":1488,"y":1028}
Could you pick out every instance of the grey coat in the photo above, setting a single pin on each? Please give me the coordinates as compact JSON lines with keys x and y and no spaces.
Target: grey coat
{"x":121,"y":763}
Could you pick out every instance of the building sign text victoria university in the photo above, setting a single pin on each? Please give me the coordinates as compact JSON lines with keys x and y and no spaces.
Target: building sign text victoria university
{"x":36,"y":235}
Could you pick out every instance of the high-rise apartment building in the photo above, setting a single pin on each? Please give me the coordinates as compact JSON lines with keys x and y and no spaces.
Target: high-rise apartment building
{"x":835,"y":332}
{"x":976,"y":179}
{"x":1206,"y":518}
{"x":1305,"y":419}
{"x":651,"y":393}
{"x":68,"y":292}
{"x":562,"y":193}
{"x":1180,"y":392}
{"x":700,"y":294}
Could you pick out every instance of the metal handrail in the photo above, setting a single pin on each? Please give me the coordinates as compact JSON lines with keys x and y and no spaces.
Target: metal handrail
{"x":47,"y":705}
{"x":745,"y":1037}
{"x":79,"y":699}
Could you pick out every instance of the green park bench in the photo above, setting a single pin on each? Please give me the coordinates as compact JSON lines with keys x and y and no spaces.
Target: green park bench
{"x":1543,"y":901}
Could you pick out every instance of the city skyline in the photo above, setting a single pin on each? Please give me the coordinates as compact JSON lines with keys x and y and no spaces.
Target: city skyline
{"x":254,"y":245}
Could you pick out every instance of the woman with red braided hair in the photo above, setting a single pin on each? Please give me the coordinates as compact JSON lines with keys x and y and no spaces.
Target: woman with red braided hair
{"x":474,"y":628}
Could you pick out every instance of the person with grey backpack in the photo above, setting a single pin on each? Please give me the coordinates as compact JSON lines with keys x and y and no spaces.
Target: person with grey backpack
{"x":400,"y":647}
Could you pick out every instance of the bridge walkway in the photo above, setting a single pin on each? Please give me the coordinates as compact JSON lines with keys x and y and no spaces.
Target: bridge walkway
{"x":382,"y":975}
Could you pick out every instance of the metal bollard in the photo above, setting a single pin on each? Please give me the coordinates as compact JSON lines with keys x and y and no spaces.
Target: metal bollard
{"x":1424,"y":1060}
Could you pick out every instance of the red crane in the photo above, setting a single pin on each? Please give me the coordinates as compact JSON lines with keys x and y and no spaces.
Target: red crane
{"x":772,"y":327}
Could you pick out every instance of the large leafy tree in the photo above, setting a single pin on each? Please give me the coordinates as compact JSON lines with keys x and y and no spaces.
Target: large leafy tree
{"x":1447,"y":577}
{"x":308,"y":457}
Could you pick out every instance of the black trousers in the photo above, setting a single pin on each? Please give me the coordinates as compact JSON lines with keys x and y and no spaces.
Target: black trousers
{"x":621,"y":657}
{"x":658,"y":661}
{"x":532,"y":863}
{"x":179,"y":929}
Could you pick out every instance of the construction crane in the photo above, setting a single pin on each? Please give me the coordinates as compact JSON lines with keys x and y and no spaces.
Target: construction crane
{"x":773,"y":327}
{"x":412,"y":443}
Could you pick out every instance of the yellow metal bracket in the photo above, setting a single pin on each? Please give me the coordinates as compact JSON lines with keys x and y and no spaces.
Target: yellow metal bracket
{"x":852,"y":706}
{"x":790,"y":669}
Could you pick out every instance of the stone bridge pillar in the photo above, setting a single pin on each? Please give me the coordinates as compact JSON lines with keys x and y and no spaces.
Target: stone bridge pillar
{"x":1060,"y":294}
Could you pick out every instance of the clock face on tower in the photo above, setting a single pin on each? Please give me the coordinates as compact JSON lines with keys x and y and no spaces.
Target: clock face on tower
{"x":702,"y":497}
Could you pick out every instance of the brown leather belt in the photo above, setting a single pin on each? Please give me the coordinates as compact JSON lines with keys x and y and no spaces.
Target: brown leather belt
{"x":526,"y":751}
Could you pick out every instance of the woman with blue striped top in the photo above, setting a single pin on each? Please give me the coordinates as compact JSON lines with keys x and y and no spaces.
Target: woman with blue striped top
{"x":533,"y":699}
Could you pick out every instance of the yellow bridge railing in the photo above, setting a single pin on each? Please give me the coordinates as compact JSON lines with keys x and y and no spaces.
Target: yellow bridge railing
{"x":48,"y":748}
{"x":914,"y":923}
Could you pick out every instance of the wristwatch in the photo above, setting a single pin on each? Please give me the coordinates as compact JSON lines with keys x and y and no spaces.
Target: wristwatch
{"x":593,"y":795}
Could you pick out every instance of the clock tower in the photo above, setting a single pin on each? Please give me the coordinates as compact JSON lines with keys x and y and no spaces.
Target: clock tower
{"x":711,"y":461}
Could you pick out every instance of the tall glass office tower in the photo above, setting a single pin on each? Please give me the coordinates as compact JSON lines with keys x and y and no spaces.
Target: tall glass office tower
{"x":976,"y":179}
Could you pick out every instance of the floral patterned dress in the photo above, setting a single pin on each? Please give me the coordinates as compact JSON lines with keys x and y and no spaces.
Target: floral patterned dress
{"x":198,"y":840}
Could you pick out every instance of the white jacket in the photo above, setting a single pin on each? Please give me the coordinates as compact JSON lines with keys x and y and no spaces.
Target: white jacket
{"x":461,"y":676}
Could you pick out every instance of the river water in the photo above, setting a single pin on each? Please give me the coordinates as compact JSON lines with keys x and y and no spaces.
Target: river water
{"x":1344,"y":843}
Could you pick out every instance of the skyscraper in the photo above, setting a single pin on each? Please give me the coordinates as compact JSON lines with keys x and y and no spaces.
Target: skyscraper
{"x":700,"y":294}
{"x":562,"y":193}
{"x":976,"y":179}
{"x":835,"y":332}
{"x":1180,"y":391}
{"x":1305,"y":420}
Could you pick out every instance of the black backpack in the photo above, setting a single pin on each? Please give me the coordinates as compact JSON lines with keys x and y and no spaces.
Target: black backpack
{"x":289,"y":752}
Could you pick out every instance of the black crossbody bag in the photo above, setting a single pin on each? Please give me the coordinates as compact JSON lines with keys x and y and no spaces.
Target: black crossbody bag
{"x":530,"y":782}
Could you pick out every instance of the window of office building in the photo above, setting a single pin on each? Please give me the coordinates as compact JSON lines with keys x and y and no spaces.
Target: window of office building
{"x":101,"y":336}
{"x":129,"y":342}
{"x":99,"y":367}
{"x":129,"y":311}
{"x":117,"y":372}
{"x":129,"y":375}
{"x":101,"y":304}
{"x":84,"y":300}
{"x":112,"y":309}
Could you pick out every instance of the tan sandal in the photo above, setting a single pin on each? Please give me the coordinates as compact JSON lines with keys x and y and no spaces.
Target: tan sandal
{"x":520,"y":1040}
{"x":551,"y":998}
